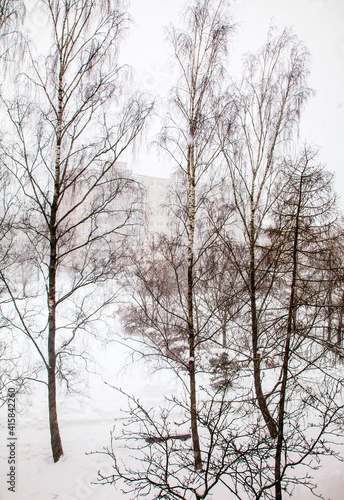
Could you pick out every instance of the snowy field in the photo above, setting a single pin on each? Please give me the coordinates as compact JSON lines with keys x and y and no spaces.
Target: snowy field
{"x":86,"y":422}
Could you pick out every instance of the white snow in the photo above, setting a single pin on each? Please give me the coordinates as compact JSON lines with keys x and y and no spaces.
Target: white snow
{"x":86,"y":422}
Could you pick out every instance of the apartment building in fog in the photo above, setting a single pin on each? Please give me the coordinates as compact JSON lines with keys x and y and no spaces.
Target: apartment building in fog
{"x":155,"y":192}
{"x":155,"y":197}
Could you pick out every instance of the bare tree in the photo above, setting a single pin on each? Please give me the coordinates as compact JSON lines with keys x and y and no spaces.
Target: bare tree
{"x":11,"y":16}
{"x":170,"y":313}
{"x":264,"y":111}
{"x":331,"y":274}
{"x":10,"y":372}
{"x":159,"y":445}
{"x":306,"y":216}
{"x":71,"y":123}
{"x":189,"y":138}
{"x":263,"y":114}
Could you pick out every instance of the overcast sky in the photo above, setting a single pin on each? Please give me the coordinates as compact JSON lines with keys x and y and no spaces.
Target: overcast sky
{"x":318,"y":23}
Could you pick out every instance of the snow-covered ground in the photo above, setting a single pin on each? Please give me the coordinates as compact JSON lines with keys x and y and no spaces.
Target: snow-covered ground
{"x":86,"y":422}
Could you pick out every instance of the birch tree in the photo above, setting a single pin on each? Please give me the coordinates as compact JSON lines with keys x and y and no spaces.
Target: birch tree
{"x":70,"y":124}
{"x":11,"y":17}
{"x":263,"y":113}
{"x":169,"y":313}
{"x":199,"y":54}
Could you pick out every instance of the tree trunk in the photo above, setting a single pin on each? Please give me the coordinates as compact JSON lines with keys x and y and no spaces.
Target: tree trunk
{"x":191,"y":326}
{"x":56,"y":444}
{"x":193,"y":408}
{"x":286,"y":357}
{"x":224,"y":329}
{"x":261,"y":398}
{"x":330,"y":318}
{"x":55,"y":438}
{"x":340,"y":323}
